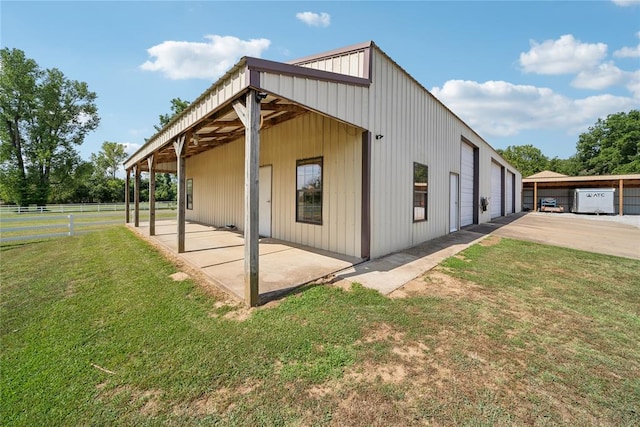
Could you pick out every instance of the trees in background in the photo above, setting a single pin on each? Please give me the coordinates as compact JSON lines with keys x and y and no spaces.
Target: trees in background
{"x":526,"y":158}
{"x":177,"y":106}
{"x":109,"y":159}
{"x":43,"y":117}
{"x":610,"y":147}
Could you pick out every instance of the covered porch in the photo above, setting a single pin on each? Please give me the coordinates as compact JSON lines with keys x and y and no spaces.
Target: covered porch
{"x":219,"y":254}
{"x":228,"y":122}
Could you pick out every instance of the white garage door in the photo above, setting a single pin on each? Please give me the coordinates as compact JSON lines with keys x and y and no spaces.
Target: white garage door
{"x":496,"y":190}
{"x":466,"y":184}
{"x":508,"y":188}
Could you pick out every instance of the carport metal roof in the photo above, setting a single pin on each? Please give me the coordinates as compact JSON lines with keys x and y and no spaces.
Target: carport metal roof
{"x":563,"y":181}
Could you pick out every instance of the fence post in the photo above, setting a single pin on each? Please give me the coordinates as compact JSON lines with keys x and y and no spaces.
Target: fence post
{"x":70,"y":224}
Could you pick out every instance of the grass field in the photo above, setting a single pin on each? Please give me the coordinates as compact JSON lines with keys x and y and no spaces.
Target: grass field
{"x":94,"y":332}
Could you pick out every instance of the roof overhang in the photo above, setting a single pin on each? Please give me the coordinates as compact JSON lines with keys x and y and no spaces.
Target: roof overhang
{"x":211,"y":119}
{"x":630,"y":180}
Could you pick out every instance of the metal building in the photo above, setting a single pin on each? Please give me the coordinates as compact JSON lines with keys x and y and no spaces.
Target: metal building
{"x":342,"y":151}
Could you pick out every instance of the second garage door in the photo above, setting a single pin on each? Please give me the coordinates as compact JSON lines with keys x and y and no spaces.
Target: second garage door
{"x":466,"y":184}
{"x":496,"y":190}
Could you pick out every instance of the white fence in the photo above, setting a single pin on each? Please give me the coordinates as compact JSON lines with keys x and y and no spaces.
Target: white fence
{"x":72,"y":225}
{"x":81,"y":207}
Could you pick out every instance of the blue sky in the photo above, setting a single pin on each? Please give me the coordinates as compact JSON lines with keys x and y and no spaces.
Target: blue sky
{"x":518,"y":72}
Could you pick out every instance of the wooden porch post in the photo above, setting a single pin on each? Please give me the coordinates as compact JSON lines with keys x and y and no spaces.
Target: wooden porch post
{"x":127,"y":215}
{"x":621,"y":197}
{"x":152,"y":196}
{"x":535,"y":196}
{"x":250,"y":116}
{"x":180,"y":147}
{"x":136,"y":196}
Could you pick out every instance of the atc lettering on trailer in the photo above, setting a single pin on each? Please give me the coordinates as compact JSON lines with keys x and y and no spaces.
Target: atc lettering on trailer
{"x":594,"y":200}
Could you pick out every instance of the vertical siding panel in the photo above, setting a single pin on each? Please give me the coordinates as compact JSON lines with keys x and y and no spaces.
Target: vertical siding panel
{"x":416,"y":128}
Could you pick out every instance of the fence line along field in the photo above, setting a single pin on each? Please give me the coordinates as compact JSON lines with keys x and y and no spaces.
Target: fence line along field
{"x":35,"y":223}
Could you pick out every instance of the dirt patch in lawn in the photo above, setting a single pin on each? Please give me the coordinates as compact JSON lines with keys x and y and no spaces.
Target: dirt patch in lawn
{"x":435,"y":283}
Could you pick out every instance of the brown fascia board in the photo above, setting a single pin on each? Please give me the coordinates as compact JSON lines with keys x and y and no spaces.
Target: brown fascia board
{"x":264,"y":65}
{"x":334,"y":52}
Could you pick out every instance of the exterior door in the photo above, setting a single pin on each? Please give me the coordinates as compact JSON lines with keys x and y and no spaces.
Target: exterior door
{"x":454,"y":207}
{"x":264,"y":204}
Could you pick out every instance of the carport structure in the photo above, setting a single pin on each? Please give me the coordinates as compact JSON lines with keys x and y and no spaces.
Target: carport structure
{"x":253,"y":96}
{"x":552,"y":184}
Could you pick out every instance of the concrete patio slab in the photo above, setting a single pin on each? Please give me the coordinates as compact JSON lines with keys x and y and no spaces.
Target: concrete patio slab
{"x":219,"y":254}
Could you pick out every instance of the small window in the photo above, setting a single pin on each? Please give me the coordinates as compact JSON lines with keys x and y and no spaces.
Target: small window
{"x":420,"y":187}
{"x":309,"y":191}
{"x":190,"y":194}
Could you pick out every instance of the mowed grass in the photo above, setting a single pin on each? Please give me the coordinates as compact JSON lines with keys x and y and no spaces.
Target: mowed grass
{"x":94,"y":332}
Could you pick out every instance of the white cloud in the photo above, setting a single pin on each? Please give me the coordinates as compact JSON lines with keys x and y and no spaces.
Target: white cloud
{"x":628,"y":52}
{"x":498,"y":108}
{"x":131,"y":147}
{"x":625,"y":3}
{"x":201,"y":60}
{"x":633,"y":85}
{"x":600,"y":77}
{"x":563,"y":56}
{"x":313,"y":19}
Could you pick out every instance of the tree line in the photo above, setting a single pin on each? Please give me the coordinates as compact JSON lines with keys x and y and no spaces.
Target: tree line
{"x":44,"y":116}
{"x":610,"y":147}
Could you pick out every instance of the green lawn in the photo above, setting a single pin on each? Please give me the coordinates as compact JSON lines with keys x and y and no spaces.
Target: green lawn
{"x":94,"y":332}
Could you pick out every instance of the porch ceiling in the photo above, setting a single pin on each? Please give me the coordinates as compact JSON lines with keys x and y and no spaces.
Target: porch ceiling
{"x":224,"y":126}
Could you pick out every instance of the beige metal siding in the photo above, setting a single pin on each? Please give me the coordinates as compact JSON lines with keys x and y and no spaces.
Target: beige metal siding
{"x":219,"y":188}
{"x":349,"y":63}
{"x":345,"y":102}
{"x":415,"y":127}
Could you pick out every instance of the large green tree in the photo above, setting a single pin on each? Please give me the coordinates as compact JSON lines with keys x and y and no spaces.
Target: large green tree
{"x":43,"y":117}
{"x":526,"y":158}
{"x":109,"y":158}
{"x":611,"y":146}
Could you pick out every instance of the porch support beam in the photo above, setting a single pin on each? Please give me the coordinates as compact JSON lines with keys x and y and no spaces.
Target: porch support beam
{"x":180,"y":147}
{"x":251,"y":119}
{"x":535,"y":196}
{"x":621,"y":198}
{"x":152,"y":195}
{"x":241,"y":111}
{"x":136,"y":196}
{"x":127,"y":214}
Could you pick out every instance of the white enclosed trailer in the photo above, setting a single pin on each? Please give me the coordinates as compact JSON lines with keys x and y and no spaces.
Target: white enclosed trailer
{"x":594,"y":200}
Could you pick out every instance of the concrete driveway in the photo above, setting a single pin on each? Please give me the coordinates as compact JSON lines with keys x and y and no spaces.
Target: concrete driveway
{"x":619,"y":236}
